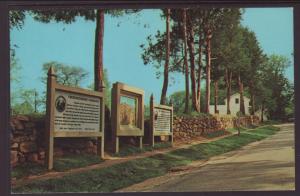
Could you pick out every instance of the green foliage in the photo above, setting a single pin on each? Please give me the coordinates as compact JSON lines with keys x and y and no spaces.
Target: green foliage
{"x":23,"y":101}
{"x":275,"y":91}
{"x":221,"y":93}
{"x":26,"y":101}
{"x":69,"y":16}
{"x":16,"y":18}
{"x":131,"y":172}
{"x":66,"y":74}
{"x":14,"y":68}
{"x":107,"y":89}
{"x":22,"y":108}
{"x":154,"y":51}
{"x":14,"y":77}
{"x":178,"y":101}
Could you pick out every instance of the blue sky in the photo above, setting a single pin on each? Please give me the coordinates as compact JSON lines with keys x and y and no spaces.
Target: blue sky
{"x":73,"y":44}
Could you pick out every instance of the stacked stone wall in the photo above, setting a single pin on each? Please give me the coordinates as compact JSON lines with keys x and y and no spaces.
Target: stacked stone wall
{"x":27,"y":137}
{"x":190,"y":127}
{"x":27,"y":141}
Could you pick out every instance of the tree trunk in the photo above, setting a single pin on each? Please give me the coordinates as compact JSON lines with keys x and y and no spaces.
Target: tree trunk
{"x":166,"y":68}
{"x":199,"y":76}
{"x":98,"y":66}
{"x":252,"y":99}
{"x":228,"y":76}
{"x":35,"y":101}
{"x":192,"y":62}
{"x":262,"y":112}
{"x":208,"y":68}
{"x":216,"y":97}
{"x":252,"y":104}
{"x":241,"y":89}
{"x":187,"y":93}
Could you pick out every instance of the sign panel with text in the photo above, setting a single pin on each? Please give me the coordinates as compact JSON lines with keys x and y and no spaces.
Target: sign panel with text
{"x":76,"y":112}
{"x":162,"y":120}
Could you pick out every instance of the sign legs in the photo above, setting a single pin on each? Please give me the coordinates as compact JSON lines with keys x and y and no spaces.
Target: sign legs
{"x":171,"y":139}
{"x":49,"y":152}
{"x":141,"y":142}
{"x":116,"y":144}
{"x":152,"y":140}
{"x":100,"y":147}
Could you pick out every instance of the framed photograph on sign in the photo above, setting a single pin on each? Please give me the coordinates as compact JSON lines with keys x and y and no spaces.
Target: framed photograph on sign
{"x":127,"y":113}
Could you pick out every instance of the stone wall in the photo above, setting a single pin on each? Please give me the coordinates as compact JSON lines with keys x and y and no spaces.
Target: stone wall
{"x":190,"y":127}
{"x":27,"y":136}
{"x":27,"y":140}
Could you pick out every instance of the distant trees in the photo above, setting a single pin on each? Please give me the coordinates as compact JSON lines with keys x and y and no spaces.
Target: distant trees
{"x":22,"y":100}
{"x":107,"y":89}
{"x":66,"y":74}
{"x":178,"y":100}
{"x":279,"y":92}
{"x":29,"y":101}
{"x":232,"y":54}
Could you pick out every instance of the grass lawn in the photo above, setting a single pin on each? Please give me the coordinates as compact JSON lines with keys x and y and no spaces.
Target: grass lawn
{"x":216,"y":134}
{"x":126,"y":150}
{"x":131,"y":172}
{"x":64,"y":163}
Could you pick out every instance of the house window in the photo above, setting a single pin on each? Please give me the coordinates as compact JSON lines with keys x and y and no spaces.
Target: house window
{"x":236,"y":100}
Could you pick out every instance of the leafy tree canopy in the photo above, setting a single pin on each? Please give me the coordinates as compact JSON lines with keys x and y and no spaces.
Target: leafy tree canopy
{"x":66,"y":74}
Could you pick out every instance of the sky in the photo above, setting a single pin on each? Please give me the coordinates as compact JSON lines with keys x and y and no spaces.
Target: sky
{"x":73,"y":44}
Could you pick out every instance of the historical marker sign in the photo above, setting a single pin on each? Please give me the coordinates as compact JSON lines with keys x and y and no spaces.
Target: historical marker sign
{"x":161,"y":121}
{"x":127,"y":117}
{"x":72,"y":112}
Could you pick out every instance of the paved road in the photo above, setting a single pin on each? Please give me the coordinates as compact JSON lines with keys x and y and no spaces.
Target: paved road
{"x":265,"y":165}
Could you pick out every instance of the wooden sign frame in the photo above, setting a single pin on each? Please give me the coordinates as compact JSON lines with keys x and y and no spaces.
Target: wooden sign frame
{"x":52,"y":87}
{"x":118,"y":130}
{"x":153,"y":132}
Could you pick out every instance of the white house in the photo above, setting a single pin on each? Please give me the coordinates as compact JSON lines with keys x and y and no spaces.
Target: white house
{"x":235,"y":106}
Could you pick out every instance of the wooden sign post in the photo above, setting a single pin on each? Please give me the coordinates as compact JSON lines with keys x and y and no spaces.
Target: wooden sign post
{"x":72,"y":112}
{"x":161,"y":121}
{"x":127,"y":113}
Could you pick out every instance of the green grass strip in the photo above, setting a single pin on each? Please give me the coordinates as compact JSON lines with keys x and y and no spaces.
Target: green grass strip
{"x":61,"y":164}
{"x":125,"y":174}
{"x":127,"y":150}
